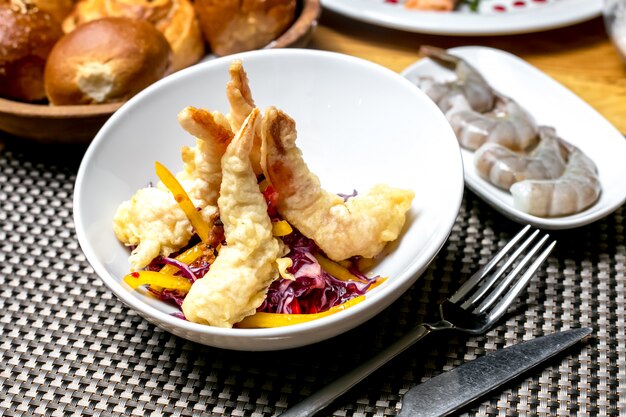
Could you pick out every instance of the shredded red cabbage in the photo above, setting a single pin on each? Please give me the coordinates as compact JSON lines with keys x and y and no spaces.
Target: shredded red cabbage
{"x":185,"y":271}
{"x":313,"y":290}
{"x":179,"y":315}
{"x":346,"y":197}
{"x":175,"y":297}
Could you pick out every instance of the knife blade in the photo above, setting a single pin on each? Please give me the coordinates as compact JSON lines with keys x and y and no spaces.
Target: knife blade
{"x":447,"y":392}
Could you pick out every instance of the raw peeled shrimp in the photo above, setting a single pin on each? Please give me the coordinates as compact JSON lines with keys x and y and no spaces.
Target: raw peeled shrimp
{"x":237,"y":281}
{"x":469,"y":83}
{"x":508,"y":124}
{"x":503,"y":167}
{"x":577,"y":189}
{"x":360,"y":226}
{"x":152,"y":220}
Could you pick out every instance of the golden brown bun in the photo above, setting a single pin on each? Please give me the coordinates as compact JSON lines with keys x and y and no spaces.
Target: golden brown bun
{"x":27,"y":35}
{"x":59,"y":9}
{"x":105,"y":61}
{"x":176,"y":19}
{"x":231,"y":26}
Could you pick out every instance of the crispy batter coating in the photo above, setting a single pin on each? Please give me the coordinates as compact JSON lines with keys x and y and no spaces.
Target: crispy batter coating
{"x":151,"y":220}
{"x":360,"y":226}
{"x":239,"y":278}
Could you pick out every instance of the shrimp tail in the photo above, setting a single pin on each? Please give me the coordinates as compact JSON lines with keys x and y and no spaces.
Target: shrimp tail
{"x":203,"y":125}
{"x":202,"y":173}
{"x":239,"y":95}
{"x":469,"y":83}
{"x":441,"y":56}
{"x":241,"y":105}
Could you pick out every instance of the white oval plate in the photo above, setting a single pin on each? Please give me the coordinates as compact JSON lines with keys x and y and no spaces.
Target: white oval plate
{"x":553,"y":105}
{"x":358,"y":124}
{"x":495,"y":17}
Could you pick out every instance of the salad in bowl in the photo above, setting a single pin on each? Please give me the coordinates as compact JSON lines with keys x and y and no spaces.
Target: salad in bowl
{"x":293,"y":217}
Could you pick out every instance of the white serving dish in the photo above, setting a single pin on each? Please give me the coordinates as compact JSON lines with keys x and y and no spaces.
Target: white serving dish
{"x":358,"y":124}
{"x":550,"y":104}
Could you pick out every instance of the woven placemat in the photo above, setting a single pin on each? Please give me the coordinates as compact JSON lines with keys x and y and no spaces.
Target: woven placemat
{"x":68,"y":347}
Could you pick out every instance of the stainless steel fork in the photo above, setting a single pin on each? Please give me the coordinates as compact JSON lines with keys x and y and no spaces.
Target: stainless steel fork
{"x":473,"y":309}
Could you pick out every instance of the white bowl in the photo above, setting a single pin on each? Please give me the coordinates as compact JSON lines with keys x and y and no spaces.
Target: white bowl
{"x":358,"y":124}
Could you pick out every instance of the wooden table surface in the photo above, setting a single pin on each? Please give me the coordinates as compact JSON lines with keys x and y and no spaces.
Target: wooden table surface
{"x":581,"y":57}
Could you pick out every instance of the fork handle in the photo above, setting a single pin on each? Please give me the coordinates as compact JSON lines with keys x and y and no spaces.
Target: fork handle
{"x":322,"y":398}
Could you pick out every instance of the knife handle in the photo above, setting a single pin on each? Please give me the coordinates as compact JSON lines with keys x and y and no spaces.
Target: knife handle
{"x":322,"y":398}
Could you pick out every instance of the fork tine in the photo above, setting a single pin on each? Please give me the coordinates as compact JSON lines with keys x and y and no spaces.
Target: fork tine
{"x":486,"y":269}
{"x":500,"y":308}
{"x":495,"y":277}
{"x":504,"y":284}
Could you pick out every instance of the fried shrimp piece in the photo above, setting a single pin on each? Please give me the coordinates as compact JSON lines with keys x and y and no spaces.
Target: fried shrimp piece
{"x":241,"y":104}
{"x":152,"y":220}
{"x":360,"y":226}
{"x":503,"y":167}
{"x":239,"y":95}
{"x":436,"y":5}
{"x":469,"y":83}
{"x":238,"y":280}
{"x":202,"y":173}
{"x":574,"y":191}
{"x":508,"y":124}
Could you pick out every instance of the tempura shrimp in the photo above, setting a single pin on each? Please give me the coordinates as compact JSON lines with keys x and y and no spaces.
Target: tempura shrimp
{"x":508,"y":124}
{"x":361,"y":226}
{"x":469,"y":83}
{"x":202,"y":173}
{"x":239,"y":95}
{"x":152,"y":220}
{"x":241,"y":104}
{"x":237,"y":281}
{"x":503,"y":167}
{"x":577,"y":189}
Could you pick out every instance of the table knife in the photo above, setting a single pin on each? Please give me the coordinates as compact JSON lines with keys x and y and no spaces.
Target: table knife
{"x":447,"y":392}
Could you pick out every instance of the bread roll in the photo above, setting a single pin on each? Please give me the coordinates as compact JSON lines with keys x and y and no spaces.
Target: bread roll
{"x":106,"y":60}
{"x":59,"y":9}
{"x":176,"y":19}
{"x":27,"y":35}
{"x":231,"y":26}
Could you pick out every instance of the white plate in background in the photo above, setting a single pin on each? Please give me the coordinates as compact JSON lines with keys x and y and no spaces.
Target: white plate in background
{"x":495,"y":17}
{"x":551,"y":104}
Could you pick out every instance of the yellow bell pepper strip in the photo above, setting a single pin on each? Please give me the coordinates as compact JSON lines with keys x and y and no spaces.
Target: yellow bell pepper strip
{"x":157,"y":280}
{"x":336,"y":270}
{"x":186,"y":257}
{"x":281,"y":228}
{"x":279,"y":320}
{"x":183,"y":200}
{"x":376,"y":283}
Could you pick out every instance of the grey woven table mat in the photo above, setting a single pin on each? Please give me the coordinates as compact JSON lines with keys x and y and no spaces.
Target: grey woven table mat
{"x":68,"y":347}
